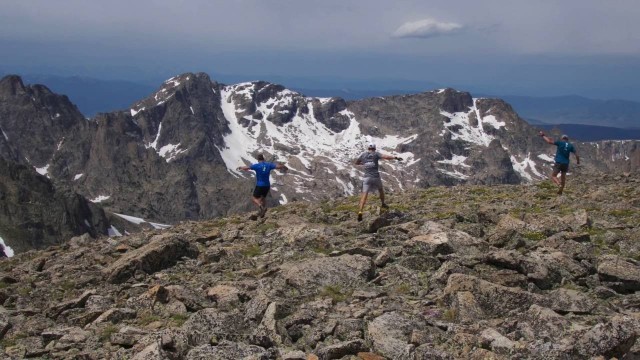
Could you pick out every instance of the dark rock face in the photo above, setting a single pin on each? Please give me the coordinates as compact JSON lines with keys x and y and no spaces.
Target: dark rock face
{"x":35,"y":214}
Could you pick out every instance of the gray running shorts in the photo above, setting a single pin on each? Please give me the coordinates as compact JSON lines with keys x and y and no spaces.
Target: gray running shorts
{"x":370,"y":184}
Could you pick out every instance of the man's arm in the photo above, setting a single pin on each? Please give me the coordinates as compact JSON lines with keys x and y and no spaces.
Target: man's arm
{"x":390,"y":157}
{"x":282,"y":167}
{"x":546,"y":138}
{"x":577,"y":158}
{"x":243,"y":168}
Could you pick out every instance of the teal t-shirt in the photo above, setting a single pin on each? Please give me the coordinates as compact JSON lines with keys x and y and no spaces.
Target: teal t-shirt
{"x":563,"y":151}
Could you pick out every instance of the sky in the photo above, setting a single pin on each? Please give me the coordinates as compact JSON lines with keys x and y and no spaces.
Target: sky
{"x":508,"y":47}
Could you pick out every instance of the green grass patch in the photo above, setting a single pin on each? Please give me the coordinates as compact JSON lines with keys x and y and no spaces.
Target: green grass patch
{"x":443,"y":215}
{"x":622,"y":213}
{"x":5,"y":343}
{"x":546,"y":185}
{"x":335,"y":292}
{"x":449,"y":314}
{"x":479,"y":191}
{"x":67,"y":285}
{"x":147,"y":319}
{"x":266,"y":227}
{"x":24,"y":291}
{"x":251,"y":250}
{"x":321,"y":249}
{"x":402,"y":289}
{"x":542,"y":196}
{"x":106,"y":333}
{"x":534,"y":235}
{"x":346,"y":207}
{"x":571,"y":286}
{"x":178,"y":319}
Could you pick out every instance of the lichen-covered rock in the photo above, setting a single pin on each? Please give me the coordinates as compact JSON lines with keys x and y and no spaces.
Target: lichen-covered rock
{"x":612,"y":338}
{"x":389,"y":335}
{"x":160,"y":253}
{"x":345,"y":271}
{"x":622,"y":274}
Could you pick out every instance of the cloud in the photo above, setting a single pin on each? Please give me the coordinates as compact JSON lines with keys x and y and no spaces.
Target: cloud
{"x":427,"y":28}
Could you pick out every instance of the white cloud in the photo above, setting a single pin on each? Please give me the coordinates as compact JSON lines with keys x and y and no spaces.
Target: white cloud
{"x":426,"y":28}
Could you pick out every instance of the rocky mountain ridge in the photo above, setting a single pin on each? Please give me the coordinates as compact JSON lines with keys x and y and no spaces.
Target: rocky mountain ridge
{"x":173,"y":155}
{"x":461,"y":272}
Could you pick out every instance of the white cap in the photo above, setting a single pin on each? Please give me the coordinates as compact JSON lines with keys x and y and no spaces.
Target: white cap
{"x":371,"y":146}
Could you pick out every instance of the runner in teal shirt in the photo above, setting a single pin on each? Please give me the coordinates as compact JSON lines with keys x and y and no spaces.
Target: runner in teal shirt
{"x":563,"y":151}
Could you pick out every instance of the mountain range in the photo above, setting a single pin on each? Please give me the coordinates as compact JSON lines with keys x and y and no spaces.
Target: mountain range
{"x":172,"y":156}
{"x":93,"y":96}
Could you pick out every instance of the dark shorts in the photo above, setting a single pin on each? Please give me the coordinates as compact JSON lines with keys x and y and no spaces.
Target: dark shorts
{"x":559,"y":167}
{"x":260,"y":191}
{"x":371,"y":184}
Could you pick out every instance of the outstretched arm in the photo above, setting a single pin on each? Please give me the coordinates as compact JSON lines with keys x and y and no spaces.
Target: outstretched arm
{"x":243,"y":168}
{"x":546,"y":138}
{"x":282,"y":167}
{"x":390,"y":157}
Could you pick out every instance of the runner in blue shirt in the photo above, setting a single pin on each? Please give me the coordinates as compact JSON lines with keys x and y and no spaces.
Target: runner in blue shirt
{"x":263,"y":185}
{"x":563,"y":151}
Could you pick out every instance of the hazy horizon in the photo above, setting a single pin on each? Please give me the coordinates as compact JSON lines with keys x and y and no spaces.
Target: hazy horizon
{"x":586,"y":48}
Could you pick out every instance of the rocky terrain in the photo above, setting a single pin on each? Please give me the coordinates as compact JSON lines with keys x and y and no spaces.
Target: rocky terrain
{"x":460,"y":272}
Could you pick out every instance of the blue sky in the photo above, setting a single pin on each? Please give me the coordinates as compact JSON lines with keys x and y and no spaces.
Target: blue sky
{"x":508,"y":47}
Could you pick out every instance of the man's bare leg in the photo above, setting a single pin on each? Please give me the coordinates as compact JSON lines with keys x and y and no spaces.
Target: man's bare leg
{"x":554,"y":177}
{"x":381,"y":190}
{"x":563,"y":177}
{"x":363,"y":200}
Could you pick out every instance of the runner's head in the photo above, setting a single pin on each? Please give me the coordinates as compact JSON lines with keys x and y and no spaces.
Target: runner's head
{"x":564,"y":137}
{"x":371,"y":147}
{"x":260,"y":157}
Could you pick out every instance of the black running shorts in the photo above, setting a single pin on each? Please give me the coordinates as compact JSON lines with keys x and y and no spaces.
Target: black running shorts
{"x":559,"y":167}
{"x":260,"y":191}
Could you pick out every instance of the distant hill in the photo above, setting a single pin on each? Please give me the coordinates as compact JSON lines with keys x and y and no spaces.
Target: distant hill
{"x":577,"y":110}
{"x":593,"y":133}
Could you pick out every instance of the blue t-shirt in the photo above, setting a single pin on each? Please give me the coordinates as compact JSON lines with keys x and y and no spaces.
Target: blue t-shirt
{"x":563,"y":151}
{"x":262,"y":170}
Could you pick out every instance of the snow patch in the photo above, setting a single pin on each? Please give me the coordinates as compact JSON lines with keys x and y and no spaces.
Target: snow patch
{"x":491,"y":120}
{"x":170,"y":151}
{"x":138,"y":221}
{"x":526,"y":168}
{"x":159,"y":226}
{"x":454,"y":174}
{"x":7,"y":250}
{"x":43,"y":170}
{"x":191,"y":107}
{"x":78,"y":176}
{"x":113,"y":232}
{"x":546,"y":158}
{"x":100,"y":198}
{"x":455,"y":160}
{"x":4,"y":134}
{"x":283,"y":200}
{"x":463,"y":130}
{"x":134,"y":111}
